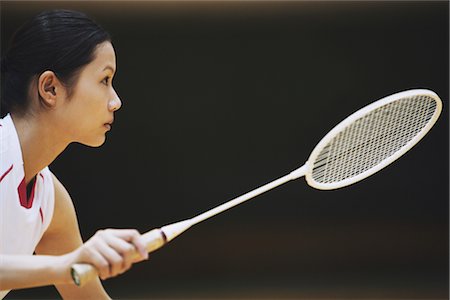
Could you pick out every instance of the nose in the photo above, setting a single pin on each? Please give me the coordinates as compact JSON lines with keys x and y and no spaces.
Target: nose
{"x":115,"y":103}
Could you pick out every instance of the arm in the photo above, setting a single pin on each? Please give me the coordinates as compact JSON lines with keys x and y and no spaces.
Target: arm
{"x":23,"y":271}
{"x":63,"y":236}
{"x":110,"y":251}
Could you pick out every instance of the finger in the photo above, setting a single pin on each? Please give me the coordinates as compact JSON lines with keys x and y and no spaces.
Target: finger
{"x":114,"y":259}
{"x":125,"y":249}
{"x":125,"y":234}
{"x":134,"y":237}
{"x":100,"y":264}
{"x":140,"y":247}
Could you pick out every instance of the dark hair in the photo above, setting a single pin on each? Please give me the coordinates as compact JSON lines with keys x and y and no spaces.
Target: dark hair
{"x":61,"y":41}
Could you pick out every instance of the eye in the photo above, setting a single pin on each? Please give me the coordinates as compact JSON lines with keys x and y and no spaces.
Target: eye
{"x":106,"y":80}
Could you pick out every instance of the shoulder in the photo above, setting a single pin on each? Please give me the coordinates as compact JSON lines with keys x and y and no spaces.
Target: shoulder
{"x":63,"y":201}
{"x":64,"y":211}
{"x":60,"y":190}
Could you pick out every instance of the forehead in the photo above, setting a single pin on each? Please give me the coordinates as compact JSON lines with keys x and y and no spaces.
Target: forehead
{"x":104,"y":55}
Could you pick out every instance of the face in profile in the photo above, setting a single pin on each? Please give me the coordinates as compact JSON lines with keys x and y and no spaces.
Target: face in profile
{"x":89,"y":113}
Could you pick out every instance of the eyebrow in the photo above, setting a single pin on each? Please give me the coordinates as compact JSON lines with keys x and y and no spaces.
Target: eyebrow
{"x":109,"y":68}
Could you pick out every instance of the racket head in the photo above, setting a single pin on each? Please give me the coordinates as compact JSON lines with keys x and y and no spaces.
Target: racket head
{"x":372,"y":138}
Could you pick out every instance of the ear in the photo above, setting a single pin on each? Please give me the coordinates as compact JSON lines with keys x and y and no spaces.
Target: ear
{"x":49,"y":88}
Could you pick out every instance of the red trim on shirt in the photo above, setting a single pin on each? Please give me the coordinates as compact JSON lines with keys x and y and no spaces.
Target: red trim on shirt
{"x":22,"y":189}
{"x":6,"y":173}
{"x":42,"y":216}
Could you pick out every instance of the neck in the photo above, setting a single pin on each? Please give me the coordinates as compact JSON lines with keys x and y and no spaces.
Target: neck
{"x":39,"y":143}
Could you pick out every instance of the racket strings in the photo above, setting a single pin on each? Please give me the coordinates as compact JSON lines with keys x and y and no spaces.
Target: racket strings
{"x":373,"y":138}
{"x":372,"y":145}
{"x":321,"y":161}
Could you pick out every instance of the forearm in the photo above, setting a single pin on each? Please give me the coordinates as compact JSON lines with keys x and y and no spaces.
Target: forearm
{"x":25,"y":271}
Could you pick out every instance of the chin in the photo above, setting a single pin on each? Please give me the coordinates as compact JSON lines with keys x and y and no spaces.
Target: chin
{"x":94,"y":142}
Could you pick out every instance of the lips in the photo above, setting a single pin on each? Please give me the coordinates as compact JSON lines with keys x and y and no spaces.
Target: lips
{"x":108,"y":125}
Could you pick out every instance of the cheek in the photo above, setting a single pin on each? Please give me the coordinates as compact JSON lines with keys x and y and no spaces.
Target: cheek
{"x":91,"y":98}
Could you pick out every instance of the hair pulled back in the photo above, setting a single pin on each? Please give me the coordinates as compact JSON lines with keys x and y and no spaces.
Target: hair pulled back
{"x":61,"y":41}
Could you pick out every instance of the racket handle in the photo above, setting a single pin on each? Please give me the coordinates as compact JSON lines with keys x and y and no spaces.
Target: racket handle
{"x":82,"y":273}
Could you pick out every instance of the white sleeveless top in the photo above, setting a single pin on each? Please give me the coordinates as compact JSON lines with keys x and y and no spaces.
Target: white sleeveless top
{"x":23,"y":220}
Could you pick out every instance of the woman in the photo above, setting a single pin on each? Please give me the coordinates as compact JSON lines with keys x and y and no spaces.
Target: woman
{"x":56,"y":88}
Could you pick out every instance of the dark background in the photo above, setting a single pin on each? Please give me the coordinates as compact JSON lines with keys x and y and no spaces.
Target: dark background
{"x":222,"y":97}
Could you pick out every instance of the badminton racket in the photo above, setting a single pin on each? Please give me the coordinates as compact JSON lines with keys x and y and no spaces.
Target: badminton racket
{"x":362,"y":144}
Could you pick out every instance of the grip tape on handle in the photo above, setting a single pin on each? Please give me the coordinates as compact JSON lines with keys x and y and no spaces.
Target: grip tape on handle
{"x":82,"y":273}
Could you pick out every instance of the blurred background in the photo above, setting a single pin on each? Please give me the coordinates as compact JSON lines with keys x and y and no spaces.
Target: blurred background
{"x":222,"y":97}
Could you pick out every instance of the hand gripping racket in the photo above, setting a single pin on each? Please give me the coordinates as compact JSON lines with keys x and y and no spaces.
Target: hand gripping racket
{"x":361,"y":145}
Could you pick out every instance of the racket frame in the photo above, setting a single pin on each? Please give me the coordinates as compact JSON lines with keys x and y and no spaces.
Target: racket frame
{"x":359,"y":114}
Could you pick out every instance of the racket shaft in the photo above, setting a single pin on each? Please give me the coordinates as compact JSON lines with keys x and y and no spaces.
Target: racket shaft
{"x":210,"y":213}
{"x":156,"y":238}
{"x":82,"y":273}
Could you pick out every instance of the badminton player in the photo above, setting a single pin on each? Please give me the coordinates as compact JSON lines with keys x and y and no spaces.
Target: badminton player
{"x":56,"y":89}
